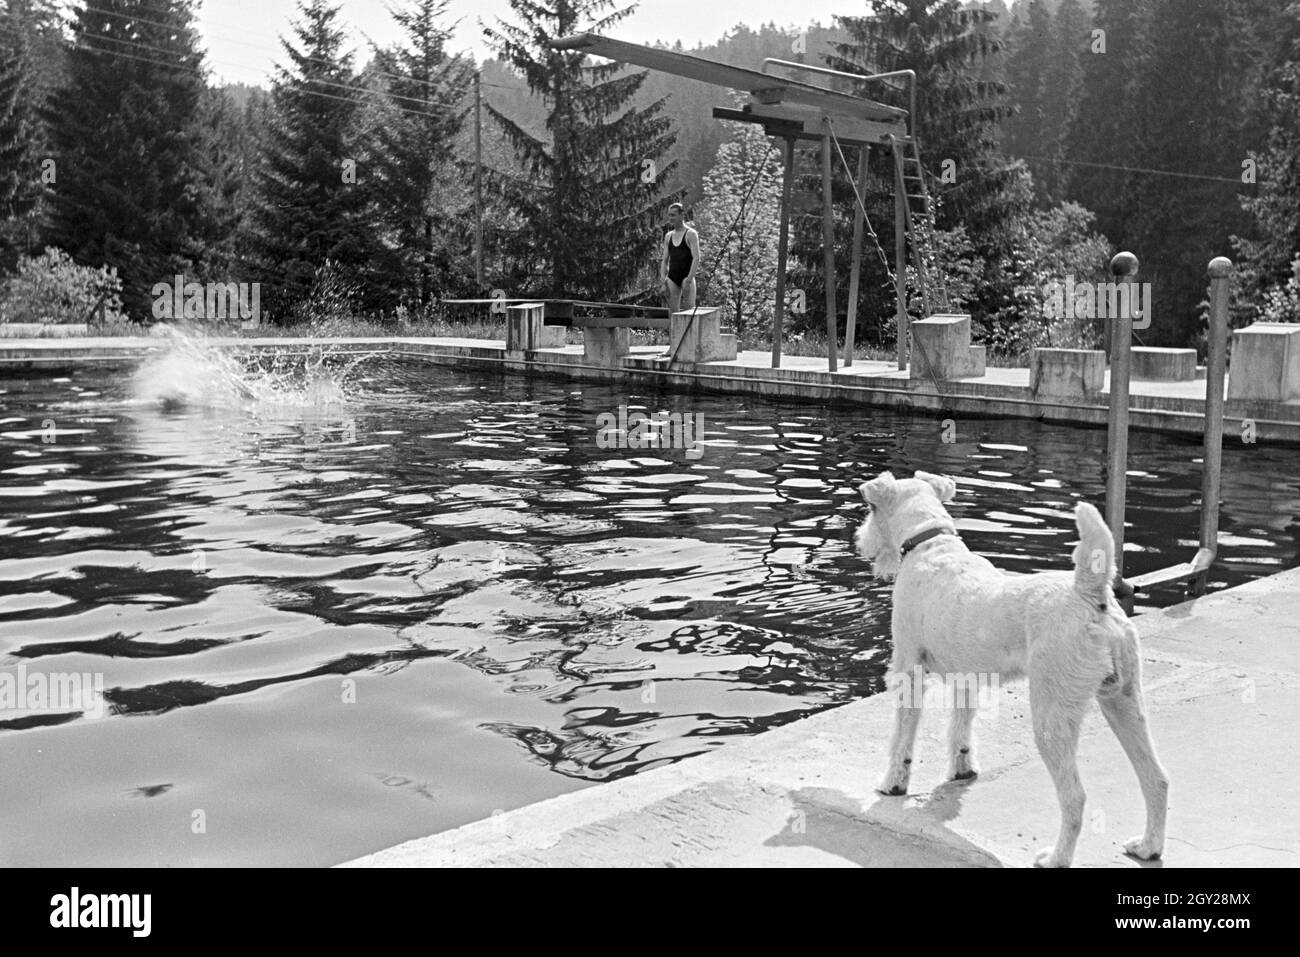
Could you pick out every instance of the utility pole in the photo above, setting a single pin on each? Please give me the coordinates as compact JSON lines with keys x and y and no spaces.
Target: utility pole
{"x":478,"y":179}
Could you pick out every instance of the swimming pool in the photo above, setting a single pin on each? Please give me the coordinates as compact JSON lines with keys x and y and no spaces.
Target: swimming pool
{"x":324,"y":628}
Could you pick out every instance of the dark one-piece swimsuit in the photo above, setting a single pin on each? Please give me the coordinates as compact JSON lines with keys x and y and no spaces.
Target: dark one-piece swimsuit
{"x":680,"y":258}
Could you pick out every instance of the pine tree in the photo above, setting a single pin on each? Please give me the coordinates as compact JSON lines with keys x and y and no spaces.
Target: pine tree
{"x":1062,"y":91}
{"x":30,"y":58}
{"x":959,"y":110}
{"x":958,"y":114}
{"x":589,"y":209}
{"x":1266,"y":252}
{"x":19,"y":183}
{"x":1028,"y":63}
{"x":311,"y":202}
{"x":1103,"y":138}
{"x":1045,"y":75}
{"x":419,"y":186}
{"x":123,"y":138}
{"x":1191,"y":122}
{"x":228,"y":125}
{"x":993,"y":68}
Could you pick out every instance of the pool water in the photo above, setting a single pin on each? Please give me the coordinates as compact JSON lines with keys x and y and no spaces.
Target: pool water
{"x":326,"y":627}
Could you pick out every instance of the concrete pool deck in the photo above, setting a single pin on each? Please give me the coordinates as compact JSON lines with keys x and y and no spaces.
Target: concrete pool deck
{"x":1222,"y":677}
{"x":1173,"y":407}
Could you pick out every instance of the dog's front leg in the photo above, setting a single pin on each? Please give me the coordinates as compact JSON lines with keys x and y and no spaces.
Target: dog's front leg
{"x":907,"y":718}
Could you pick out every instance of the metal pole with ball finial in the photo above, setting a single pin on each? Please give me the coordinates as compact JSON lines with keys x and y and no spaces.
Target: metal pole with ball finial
{"x":1124,"y":267}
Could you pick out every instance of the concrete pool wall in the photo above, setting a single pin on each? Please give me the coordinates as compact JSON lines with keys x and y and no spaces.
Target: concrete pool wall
{"x":1175,"y":407}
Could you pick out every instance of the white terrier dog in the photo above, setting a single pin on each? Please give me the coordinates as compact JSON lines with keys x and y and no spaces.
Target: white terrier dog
{"x":955,"y":613}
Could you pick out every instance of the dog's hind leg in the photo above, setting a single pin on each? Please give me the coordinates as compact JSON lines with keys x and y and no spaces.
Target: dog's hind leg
{"x":961,"y":742}
{"x":1121,"y":703}
{"x":1056,"y":732}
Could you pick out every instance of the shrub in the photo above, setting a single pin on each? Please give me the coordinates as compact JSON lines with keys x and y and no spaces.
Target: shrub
{"x":1045,"y":247}
{"x":52,"y":288}
{"x":1282,"y":303}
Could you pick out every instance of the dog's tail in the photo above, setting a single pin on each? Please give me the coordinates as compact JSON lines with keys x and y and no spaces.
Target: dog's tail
{"x":1094,"y":556}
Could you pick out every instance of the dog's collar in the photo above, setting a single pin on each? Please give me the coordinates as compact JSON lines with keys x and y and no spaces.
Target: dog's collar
{"x":921,"y":537}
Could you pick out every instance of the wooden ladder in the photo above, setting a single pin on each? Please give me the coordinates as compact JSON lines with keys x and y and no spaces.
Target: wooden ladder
{"x":909,"y":180}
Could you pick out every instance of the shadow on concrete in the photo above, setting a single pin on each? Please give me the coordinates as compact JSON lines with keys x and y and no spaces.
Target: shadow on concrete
{"x":885,"y":833}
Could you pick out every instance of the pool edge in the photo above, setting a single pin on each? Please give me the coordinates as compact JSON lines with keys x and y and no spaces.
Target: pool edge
{"x":1222,"y":676}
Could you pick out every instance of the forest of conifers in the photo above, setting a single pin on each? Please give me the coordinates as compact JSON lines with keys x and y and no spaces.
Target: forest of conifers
{"x":1054,"y":133}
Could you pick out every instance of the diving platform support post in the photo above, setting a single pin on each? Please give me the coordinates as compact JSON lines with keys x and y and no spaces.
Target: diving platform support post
{"x":828,"y":244}
{"x":855,"y":266}
{"x":782,"y":248}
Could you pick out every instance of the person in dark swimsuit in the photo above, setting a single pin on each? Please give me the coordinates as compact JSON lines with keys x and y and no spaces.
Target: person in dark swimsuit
{"x":681,"y":253}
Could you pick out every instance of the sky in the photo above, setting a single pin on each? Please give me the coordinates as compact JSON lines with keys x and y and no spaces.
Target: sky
{"x":241,"y":36}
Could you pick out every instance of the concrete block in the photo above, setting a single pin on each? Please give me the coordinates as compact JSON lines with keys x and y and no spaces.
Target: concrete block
{"x":941,"y":349}
{"x":1265,"y":362}
{"x":523,"y":323}
{"x":695,"y":335}
{"x":526,"y":331}
{"x":606,"y":347}
{"x":1170,"y":365}
{"x":551,"y":337}
{"x":1067,"y":373}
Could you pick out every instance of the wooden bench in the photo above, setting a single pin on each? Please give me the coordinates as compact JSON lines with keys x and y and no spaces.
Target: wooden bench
{"x":695,"y":335}
{"x":606,"y":336}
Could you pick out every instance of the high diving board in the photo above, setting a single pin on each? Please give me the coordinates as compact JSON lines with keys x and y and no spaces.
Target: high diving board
{"x":764,"y":87}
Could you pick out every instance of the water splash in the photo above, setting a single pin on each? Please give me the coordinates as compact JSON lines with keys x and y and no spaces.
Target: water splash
{"x":194,"y":373}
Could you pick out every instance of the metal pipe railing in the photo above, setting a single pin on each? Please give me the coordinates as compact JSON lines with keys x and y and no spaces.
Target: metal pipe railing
{"x":1124,"y":267}
{"x":1196,"y":571}
{"x":1216,"y":362}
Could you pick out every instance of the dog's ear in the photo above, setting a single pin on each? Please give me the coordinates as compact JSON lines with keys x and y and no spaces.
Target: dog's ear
{"x":879,"y":489}
{"x":943,"y":486}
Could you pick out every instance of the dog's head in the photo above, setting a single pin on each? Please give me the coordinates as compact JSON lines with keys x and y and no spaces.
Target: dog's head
{"x":898,"y":509}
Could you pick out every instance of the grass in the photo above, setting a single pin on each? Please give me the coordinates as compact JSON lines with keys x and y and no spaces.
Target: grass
{"x":34,"y":330}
